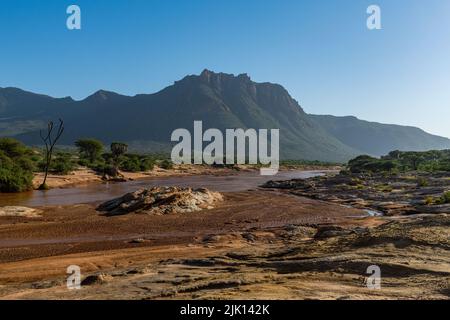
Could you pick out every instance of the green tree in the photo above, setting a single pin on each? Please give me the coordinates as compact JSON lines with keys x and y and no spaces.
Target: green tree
{"x":89,"y":149}
{"x":414,"y":159}
{"x":118,"y":149}
{"x":16,"y":166}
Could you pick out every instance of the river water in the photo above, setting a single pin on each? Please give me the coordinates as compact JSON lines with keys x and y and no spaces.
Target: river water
{"x":105,"y":191}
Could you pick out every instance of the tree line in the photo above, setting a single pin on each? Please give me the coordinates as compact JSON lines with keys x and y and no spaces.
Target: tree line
{"x":18,"y":163}
{"x":402,"y":161}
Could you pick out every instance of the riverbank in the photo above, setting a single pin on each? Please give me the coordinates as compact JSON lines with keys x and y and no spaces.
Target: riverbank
{"x":389,"y":194}
{"x":94,"y":192}
{"x":85,"y":176}
{"x":254,"y":245}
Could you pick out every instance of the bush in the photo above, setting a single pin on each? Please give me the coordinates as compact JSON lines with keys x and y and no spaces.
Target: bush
{"x":84,"y":163}
{"x":429,"y":200}
{"x":166,"y":164}
{"x":445,"y":198}
{"x":368,"y":164}
{"x":62,"y":164}
{"x":130,"y":163}
{"x":422,"y":182}
{"x":443,"y":165}
{"x":147,"y":164}
{"x":135,"y":163}
{"x":16,"y":166}
{"x":98,"y":166}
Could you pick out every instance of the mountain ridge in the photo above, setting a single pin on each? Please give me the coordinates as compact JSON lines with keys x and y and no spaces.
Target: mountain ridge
{"x":383,"y":137}
{"x":220,"y":100}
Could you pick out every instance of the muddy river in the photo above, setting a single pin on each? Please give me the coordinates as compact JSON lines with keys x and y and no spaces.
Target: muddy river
{"x":99,"y":192}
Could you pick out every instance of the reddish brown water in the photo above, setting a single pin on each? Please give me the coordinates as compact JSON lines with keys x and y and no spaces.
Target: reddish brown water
{"x":105,"y":191}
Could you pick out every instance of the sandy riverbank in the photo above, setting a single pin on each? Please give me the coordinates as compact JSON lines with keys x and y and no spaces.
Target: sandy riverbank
{"x":84,"y":176}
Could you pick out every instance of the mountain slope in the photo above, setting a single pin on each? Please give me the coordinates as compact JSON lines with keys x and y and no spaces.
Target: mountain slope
{"x":379,"y":139}
{"x":221,"y":101}
{"x":22,"y":111}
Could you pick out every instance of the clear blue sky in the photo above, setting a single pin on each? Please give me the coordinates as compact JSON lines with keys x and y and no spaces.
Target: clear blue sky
{"x":320,"y":50}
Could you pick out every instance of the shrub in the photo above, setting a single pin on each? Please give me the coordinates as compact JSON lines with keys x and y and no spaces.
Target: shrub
{"x":130,"y":163}
{"x":429,"y":200}
{"x":166,"y":164}
{"x":16,"y":166}
{"x":445,"y":198}
{"x":443,"y":165}
{"x":83,"y":162}
{"x":147,"y":164}
{"x":98,"y":166}
{"x":135,"y":163}
{"x":62,"y":164}
{"x":368,"y":164}
{"x":422,"y":182}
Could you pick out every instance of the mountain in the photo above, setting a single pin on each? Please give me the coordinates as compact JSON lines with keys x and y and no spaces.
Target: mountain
{"x":379,"y":139}
{"x":22,"y":111}
{"x":220,"y":100}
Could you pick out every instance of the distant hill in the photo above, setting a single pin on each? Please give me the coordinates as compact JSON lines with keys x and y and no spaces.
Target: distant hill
{"x":378,"y":139}
{"x":22,"y":111}
{"x":220,"y":100}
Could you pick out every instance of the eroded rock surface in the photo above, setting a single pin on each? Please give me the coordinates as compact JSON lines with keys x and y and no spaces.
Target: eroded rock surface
{"x":389,"y":194}
{"x":162,"y":200}
{"x":413,"y":254}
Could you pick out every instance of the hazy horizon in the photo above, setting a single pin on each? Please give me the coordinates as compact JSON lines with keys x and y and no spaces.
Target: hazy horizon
{"x":321,"y":52}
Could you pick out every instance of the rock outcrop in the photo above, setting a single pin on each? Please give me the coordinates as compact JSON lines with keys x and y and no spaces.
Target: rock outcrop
{"x":162,"y":200}
{"x":396,"y":194}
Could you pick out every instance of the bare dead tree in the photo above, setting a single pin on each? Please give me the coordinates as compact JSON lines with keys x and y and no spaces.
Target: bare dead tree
{"x":50,"y":141}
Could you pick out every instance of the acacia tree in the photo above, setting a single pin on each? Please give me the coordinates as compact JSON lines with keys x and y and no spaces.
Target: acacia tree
{"x":50,"y":140}
{"x":118,"y":149}
{"x":89,"y":149}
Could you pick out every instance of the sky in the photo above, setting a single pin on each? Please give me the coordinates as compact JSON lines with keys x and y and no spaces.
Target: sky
{"x":321,"y":51}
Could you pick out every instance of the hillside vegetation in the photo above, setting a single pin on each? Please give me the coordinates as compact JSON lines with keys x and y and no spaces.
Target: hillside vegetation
{"x":402,"y":161}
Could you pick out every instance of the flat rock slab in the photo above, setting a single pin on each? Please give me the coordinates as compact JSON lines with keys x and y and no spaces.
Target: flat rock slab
{"x":16,"y":211}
